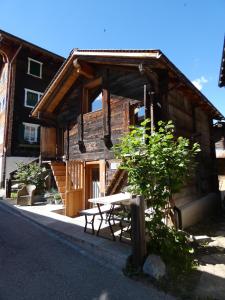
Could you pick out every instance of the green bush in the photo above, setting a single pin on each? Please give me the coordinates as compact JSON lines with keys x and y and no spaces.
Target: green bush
{"x":31,"y":174}
{"x":158,"y":166}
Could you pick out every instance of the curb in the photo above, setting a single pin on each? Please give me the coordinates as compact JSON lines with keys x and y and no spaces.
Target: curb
{"x":103,"y":256}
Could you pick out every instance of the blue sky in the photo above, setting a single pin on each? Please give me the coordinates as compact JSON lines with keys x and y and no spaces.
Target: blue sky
{"x":189,"y":32}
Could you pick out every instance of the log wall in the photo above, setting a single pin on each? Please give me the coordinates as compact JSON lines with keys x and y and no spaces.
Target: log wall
{"x":94,"y":146}
{"x":192,"y":122}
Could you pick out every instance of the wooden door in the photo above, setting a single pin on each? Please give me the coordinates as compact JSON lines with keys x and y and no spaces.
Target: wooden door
{"x":48,"y":142}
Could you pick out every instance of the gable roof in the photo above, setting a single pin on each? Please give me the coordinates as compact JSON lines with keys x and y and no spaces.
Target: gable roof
{"x":222,"y":68}
{"x":68,"y":73}
{"x":17,"y":40}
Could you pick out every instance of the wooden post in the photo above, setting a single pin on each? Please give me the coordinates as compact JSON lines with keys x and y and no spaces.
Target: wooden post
{"x":80,"y":128}
{"x":163,"y":79}
{"x":102,"y":171}
{"x":106,"y":109}
{"x":67,"y":142}
{"x":8,"y":185}
{"x":146,"y":103}
{"x":138,"y":232}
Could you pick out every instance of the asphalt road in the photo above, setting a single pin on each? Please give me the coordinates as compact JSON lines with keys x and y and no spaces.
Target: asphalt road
{"x":35,"y":264}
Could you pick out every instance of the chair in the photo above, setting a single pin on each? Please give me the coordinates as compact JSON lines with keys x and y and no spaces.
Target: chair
{"x":25,"y":196}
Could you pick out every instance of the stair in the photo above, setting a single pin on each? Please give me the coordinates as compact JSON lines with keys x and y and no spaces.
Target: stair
{"x":117,"y":183}
{"x":59,"y":173}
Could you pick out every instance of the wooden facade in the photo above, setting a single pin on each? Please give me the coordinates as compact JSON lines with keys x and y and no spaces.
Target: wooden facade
{"x":25,"y":72}
{"x":130,"y":82}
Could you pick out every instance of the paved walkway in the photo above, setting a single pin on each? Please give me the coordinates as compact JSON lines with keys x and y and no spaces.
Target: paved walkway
{"x":113,"y":253}
{"x":210,"y":238}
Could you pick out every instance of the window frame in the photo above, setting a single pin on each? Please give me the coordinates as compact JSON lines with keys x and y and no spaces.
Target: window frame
{"x":32,"y":91}
{"x":28,"y":68}
{"x":31,"y":125}
{"x":2,"y":103}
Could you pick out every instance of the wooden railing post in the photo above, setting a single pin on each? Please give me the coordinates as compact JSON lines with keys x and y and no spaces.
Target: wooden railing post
{"x":8,"y":185}
{"x":138,"y":232}
{"x":67,"y":187}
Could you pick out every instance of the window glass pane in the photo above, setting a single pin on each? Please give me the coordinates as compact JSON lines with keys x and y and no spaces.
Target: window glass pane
{"x":32,"y":98}
{"x":30,"y":134}
{"x":26,"y":133}
{"x":35,"y":68}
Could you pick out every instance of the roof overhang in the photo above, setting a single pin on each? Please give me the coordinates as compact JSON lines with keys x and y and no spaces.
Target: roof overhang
{"x":222,"y":68}
{"x":5,"y":36}
{"x":77,"y":64}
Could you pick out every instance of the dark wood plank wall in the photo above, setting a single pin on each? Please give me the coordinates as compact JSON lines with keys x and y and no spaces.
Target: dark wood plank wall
{"x":192,"y":122}
{"x":94,"y":147}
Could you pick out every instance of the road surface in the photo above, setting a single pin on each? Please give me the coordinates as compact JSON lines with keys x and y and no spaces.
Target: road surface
{"x":36,"y":264}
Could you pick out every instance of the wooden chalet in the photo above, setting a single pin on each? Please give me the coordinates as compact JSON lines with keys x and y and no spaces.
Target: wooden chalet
{"x":90,"y":104}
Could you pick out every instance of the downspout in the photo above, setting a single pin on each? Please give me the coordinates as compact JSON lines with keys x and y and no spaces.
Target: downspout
{"x":8,"y":97}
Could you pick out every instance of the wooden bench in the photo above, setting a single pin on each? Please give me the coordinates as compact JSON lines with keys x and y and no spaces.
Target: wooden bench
{"x":92,"y":212}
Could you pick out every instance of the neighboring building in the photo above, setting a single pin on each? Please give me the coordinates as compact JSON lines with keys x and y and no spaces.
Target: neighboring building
{"x":25,"y":72}
{"x":91,"y":103}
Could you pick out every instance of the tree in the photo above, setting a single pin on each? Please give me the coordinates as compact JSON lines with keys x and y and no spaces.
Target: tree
{"x":158,"y":166}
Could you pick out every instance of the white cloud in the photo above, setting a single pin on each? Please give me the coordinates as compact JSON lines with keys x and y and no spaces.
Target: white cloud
{"x":199,"y":82}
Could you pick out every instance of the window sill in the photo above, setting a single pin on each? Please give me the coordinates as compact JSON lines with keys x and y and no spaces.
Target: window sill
{"x":29,"y":145}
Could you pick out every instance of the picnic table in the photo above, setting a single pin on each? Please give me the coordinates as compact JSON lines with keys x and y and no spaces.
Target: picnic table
{"x":108,"y":205}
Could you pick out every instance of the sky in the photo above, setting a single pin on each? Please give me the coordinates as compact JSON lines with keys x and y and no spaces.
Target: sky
{"x":189,"y":32}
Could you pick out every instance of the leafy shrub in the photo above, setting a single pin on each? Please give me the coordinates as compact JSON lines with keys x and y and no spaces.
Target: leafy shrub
{"x":158,"y":166}
{"x":31,"y":174}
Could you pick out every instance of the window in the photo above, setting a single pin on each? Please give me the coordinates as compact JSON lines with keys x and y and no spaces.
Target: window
{"x":32,"y":97}
{"x":31,"y":132}
{"x":2,"y":104}
{"x":96,"y":104}
{"x":34,"y":68}
{"x":139,"y":114}
{"x":1,"y":134}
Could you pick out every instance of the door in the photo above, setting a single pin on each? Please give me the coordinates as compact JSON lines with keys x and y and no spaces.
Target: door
{"x":48,"y":142}
{"x":92,"y":182}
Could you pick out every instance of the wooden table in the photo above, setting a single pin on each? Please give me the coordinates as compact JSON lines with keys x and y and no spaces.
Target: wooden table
{"x":112,"y":201}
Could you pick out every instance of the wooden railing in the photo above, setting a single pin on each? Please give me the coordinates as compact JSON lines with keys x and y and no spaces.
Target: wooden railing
{"x":74,"y":198}
{"x":74,"y":175}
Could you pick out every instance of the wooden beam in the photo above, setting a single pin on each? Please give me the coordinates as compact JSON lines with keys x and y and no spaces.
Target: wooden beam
{"x":93,"y":83}
{"x":61,"y":90}
{"x":83,"y":68}
{"x":47,"y":118}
